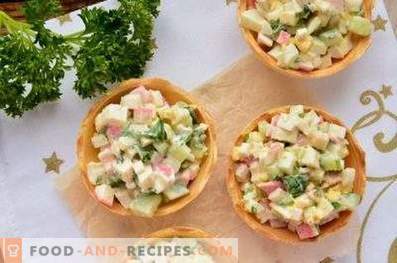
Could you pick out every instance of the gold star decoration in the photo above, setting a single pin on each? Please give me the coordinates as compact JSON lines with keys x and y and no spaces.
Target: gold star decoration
{"x":65,"y":18}
{"x":327,"y":260}
{"x":379,"y":23}
{"x":386,"y":91}
{"x":228,"y":2}
{"x":52,"y":163}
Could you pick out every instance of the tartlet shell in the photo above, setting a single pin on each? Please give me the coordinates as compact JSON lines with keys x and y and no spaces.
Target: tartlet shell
{"x":181,"y":232}
{"x":360,"y":46}
{"x":356,"y":159}
{"x":87,"y":153}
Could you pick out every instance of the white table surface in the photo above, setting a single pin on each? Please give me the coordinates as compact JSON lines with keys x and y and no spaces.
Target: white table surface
{"x":197,"y":39}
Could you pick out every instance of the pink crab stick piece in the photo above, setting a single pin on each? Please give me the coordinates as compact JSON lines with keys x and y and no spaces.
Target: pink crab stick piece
{"x":306,"y":231}
{"x":143,"y":115}
{"x":144,"y":93}
{"x":337,"y":4}
{"x":114,"y":130}
{"x":283,"y":38}
{"x":164,"y":169}
{"x":269,"y":187}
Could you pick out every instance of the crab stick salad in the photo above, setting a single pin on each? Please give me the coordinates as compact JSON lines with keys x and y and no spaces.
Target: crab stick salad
{"x":292,"y":172}
{"x":149,"y":151}
{"x":306,"y":34}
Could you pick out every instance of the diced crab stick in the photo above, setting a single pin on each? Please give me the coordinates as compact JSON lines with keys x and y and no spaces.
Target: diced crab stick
{"x":187,"y":176}
{"x":106,"y":154}
{"x":105,"y":194}
{"x":275,"y":120}
{"x":275,"y":150}
{"x":269,"y":187}
{"x":242,"y":172}
{"x":265,"y":202}
{"x":157,"y":159}
{"x":164,"y":169}
{"x":113,"y":130}
{"x":144,"y":93}
{"x":283,"y":38}
{"x":143,"y":115}
{"x":302,"y":140}
{"x":276,"y":223}
{"x":337,"y":4}
{"x":306,"y":231}
{"x":305,"y":66}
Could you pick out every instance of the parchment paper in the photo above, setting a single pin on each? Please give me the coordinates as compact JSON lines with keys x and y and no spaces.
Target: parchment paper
{"x":234,"y":97}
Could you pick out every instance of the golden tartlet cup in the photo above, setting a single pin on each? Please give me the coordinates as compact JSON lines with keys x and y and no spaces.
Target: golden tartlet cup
{"x":86,"y":153}
{"x":360,"y":46}
{"x":355,"y":159}
{"x":181,"y":232}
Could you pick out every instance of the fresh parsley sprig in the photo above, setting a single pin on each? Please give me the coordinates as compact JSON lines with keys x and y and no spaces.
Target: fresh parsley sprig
{"x":115,"y":45}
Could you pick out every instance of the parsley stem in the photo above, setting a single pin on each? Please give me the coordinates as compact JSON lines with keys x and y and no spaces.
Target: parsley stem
{"x":13,"y":25}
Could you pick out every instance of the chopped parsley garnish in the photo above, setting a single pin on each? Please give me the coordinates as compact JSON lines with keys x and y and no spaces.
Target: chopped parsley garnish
{"x":296,"y":184}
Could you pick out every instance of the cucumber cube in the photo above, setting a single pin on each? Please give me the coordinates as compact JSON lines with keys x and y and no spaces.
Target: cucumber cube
{"x":318,"y":140}
{"x":281,"y":197}
{"x":326,"y":61}
{"x":252,"y":20}
{"x":286,"y":163}
{"x":176,"y":191}
{"x":288,"y":122}
{"x":284,"y":135}
{"x":276,"y":53}
{"x":290,"y":54}
{"x":263,"y":127}
{"x":255,"y":137}
{"x":180,"y":153}
{"x":318,"y":47}
{"x":314,"y":24}
{"x":348,"y":176}
{"x":296,"y":109}
{"x":341,"y":49}
{"x":350,"y":201}
{"x":331,"y":162}
{"x":309,"y":157}
{"x":331,"y":37}
{"x":146,"y":204}
{"x":360,"y":26}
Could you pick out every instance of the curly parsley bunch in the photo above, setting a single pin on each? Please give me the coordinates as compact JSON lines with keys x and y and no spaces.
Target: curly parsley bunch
{"x":115,"y":45}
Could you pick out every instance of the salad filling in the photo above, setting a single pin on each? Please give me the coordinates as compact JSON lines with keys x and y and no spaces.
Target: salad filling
{"x":306,"y":34}
{"x":292,"y":172}
{"x":149,"y":151}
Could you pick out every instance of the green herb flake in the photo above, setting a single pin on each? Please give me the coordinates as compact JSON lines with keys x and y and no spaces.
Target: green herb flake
{"x":305,"y":13}
{"x":336,"y":205}
{"x":296,"y":185}
{"x":277,"y":27}
{"x":157,"y":131}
